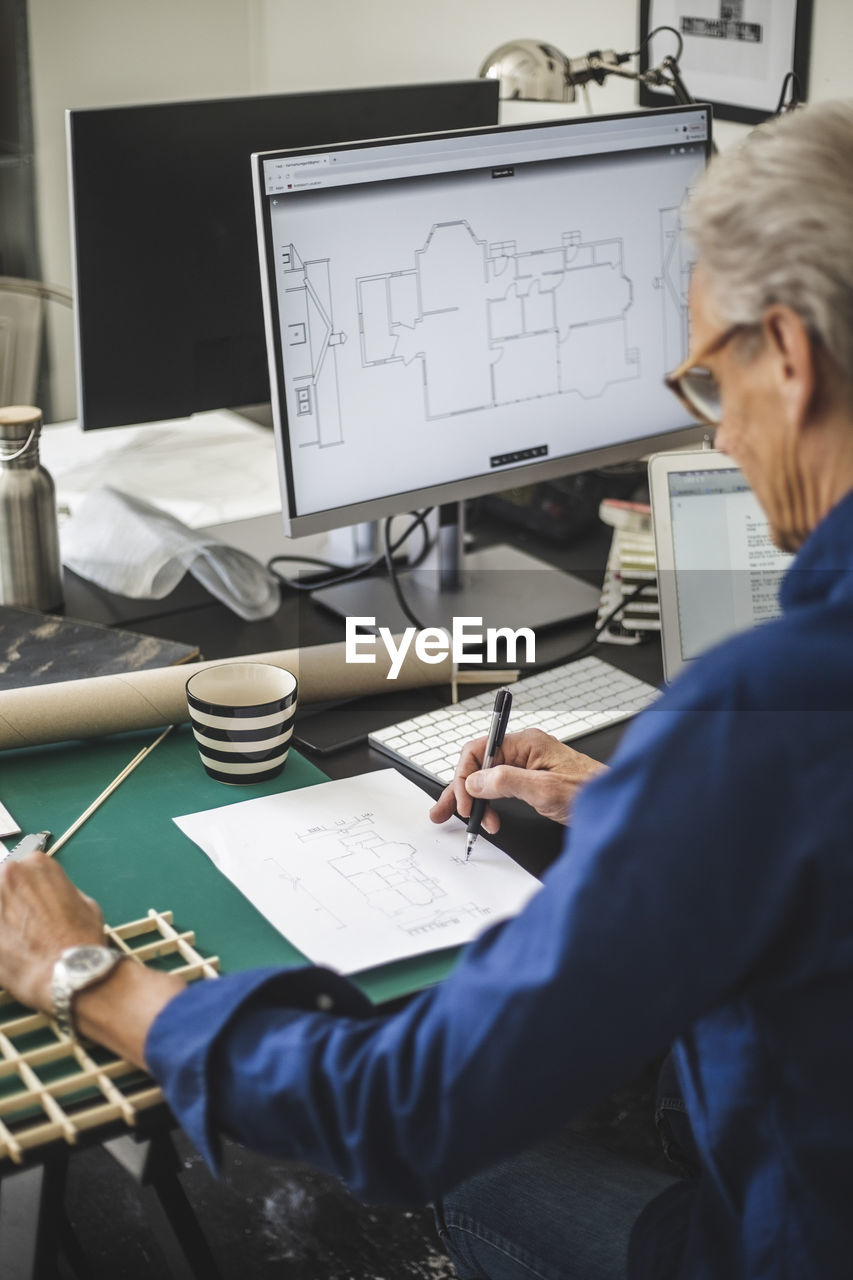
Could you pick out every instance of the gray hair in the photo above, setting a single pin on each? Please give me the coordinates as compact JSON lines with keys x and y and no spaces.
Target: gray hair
{"x":772,"y":221}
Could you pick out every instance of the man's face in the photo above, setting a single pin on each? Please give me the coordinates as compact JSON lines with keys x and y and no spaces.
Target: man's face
{"x":755,"y":428}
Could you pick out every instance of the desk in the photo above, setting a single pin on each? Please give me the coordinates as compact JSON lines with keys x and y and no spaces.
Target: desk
{"x":190,"y":614}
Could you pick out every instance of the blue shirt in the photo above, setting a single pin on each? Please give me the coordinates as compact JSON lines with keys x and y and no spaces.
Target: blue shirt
{"x":704,"y":896}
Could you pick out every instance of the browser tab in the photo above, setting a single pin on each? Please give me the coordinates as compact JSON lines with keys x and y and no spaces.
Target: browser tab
{"x":286,"y":173}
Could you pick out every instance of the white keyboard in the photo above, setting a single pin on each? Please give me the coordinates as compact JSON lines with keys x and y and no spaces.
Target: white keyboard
{"x":568,"y":702}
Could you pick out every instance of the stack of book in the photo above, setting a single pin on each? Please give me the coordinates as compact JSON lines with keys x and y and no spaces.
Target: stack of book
{"x":630,"y":564}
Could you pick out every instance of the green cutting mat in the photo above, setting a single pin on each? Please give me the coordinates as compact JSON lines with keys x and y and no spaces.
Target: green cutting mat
{"x":130,"y":855}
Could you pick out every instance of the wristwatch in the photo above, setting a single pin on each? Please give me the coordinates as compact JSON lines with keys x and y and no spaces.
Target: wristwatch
{"x":75,"y":970}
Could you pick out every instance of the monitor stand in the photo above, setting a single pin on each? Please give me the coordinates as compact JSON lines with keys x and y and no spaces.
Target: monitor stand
{"x":500,"y":585}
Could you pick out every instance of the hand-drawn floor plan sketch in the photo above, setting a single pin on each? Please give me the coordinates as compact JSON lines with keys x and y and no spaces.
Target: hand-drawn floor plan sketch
{"x":306,"y":901}
{"x":389,"y":875}
{"x":355,"y":875}
{"x":495,"y":325}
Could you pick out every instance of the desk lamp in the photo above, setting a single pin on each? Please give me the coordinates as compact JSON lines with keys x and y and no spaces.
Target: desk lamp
{"x":533,"y":71}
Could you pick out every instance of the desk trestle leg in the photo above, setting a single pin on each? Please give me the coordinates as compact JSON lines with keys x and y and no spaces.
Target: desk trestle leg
{"x":154,"y":1164}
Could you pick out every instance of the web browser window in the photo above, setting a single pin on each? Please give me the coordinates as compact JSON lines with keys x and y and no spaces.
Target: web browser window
{"x":460,"y":307}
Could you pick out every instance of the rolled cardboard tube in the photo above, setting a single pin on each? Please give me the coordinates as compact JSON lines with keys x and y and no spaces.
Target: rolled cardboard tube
{"x":99,"y":705}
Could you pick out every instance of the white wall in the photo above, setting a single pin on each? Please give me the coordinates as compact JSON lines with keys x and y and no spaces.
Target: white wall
{"x":91,"y":53}
{"x":98,"y":52}
{"x":88,"y":53}
{"x":379,"y":41}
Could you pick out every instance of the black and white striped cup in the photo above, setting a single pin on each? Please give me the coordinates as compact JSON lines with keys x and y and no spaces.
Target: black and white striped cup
{"x":242,"y":718}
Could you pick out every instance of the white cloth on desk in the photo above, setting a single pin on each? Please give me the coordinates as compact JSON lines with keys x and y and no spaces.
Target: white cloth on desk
{"x":128,"y":546}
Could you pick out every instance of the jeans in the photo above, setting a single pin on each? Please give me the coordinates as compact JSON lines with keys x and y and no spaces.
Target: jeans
{"x":563,"y":1210}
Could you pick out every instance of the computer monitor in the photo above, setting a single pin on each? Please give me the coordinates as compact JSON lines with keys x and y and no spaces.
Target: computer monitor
{"x":450,"y":316}
{"x":168,"y":310}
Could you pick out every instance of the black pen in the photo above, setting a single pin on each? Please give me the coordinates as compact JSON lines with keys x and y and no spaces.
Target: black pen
{"x":497,"y":729}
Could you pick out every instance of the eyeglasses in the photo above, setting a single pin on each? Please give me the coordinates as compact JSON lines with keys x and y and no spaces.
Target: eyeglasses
{"x":696,"y":386}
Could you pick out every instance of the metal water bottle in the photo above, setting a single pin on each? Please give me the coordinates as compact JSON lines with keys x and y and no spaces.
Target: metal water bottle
{"x":30,"y":568}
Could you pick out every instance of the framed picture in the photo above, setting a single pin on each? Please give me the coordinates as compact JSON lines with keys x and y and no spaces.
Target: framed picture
{"x":736,"y":53}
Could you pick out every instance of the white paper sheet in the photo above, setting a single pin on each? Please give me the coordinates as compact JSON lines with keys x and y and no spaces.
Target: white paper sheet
{"x":203,"y":470}
{"x":8,"y":825}
{"x":354,"y":874}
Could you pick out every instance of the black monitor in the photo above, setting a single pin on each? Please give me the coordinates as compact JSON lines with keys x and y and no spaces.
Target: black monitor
{"x":168,"y":306}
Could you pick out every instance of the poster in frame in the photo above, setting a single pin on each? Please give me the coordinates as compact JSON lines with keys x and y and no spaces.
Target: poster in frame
{"x":736,"y":53}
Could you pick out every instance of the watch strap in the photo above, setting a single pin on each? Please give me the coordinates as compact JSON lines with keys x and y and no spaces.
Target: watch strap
{"x":64,"y":987}
{"x":60,"y":996}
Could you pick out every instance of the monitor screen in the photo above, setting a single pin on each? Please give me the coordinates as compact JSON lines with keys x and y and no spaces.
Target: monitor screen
{"x":168,"y":308}
{"x":451,"y":316}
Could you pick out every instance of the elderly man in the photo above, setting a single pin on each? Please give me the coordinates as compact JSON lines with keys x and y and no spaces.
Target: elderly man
{"x":704,"y":897}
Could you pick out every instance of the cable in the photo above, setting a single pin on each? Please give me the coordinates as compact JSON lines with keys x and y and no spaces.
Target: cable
{"x":341,"y":573}
{"x":392,"y":573}
{"x":588,"y":646}
{"x":623,"y":603}
{"x":636,"y":53}
{"x":608,"y":618}
{"x":323,"y":564}
{"x":790,"y":83}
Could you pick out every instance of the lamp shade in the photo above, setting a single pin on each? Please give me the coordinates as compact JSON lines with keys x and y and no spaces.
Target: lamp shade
{"x":531,"y":71}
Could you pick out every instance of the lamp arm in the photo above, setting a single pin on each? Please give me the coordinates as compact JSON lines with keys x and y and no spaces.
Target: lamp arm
{"x":607,"y":70}
{"x":667,"y":75}
{"x":671,"y":69}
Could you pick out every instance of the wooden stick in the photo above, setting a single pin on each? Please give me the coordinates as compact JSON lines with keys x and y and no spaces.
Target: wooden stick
{"x":493,"y":676}
{"x":489,"y":676}
{"x":107,"y":791}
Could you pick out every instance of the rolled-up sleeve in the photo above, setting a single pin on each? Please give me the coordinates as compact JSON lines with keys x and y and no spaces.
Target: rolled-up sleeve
{"x":181,"y":1043}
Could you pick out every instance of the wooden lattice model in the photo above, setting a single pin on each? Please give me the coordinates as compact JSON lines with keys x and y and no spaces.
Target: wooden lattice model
{"x":52,"y":1087}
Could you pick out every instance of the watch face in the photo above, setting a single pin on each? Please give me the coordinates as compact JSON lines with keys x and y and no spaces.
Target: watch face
{"x":83,"y":962}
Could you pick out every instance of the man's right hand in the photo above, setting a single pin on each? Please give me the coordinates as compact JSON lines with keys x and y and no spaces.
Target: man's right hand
{"x":532,"y":766}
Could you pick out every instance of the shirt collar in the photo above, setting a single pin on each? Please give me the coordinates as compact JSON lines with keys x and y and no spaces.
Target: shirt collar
{"x":823,"y":567}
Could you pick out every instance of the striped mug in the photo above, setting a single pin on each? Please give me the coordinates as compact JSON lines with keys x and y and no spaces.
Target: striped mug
{"x":242,"y":718}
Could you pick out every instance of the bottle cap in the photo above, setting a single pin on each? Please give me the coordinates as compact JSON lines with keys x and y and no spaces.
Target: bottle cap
{"x":17,"y":421}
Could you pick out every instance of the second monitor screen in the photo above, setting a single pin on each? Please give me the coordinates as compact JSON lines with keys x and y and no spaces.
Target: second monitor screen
{"x":169,"y":316}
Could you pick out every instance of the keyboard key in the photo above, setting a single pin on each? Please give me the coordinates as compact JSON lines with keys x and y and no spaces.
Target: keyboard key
{"x":423,"y":758}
